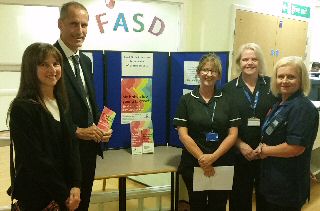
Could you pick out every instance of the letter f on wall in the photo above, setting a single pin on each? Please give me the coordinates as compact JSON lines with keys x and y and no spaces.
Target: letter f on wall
{"x":100,"y":23}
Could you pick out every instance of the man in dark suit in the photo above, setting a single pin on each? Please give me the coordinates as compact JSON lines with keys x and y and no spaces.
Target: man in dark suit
{"x":77,"y":67}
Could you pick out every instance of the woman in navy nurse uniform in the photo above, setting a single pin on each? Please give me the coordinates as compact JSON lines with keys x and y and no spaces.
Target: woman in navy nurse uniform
{"x":207,"y":127}
{"x":251,"y":94}
{"x":288,"y":134}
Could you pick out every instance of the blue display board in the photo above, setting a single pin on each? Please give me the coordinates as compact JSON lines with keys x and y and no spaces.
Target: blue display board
{"x":113,"y":73}
{"x":177,"y":85}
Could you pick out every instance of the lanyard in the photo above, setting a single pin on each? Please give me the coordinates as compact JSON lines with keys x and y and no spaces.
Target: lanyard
{"x":270,"y":118}
{"x":253,"y":104}
{"x":214,"y":108}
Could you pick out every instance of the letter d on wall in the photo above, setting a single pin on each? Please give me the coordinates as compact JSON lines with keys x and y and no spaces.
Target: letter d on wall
{"x":155,"y":19}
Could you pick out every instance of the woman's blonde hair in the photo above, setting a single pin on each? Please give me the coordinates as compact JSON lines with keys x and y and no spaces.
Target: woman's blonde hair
{"x":258,"y":52}
{"x":297,"y":63}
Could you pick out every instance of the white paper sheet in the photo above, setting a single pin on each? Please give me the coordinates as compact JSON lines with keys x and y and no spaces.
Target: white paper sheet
{"x":126,"y":118}
{"x":137,"y":64}
{"x":186,"y":91}
{"x":190,"y":72}
{"x":222,"y":179}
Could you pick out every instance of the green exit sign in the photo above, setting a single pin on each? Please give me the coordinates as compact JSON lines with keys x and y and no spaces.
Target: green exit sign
{"x":295,"y":9}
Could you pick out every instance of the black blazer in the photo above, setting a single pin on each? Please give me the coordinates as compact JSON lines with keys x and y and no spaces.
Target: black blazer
{"x":47,"y":164}
{"x":78,"y":105}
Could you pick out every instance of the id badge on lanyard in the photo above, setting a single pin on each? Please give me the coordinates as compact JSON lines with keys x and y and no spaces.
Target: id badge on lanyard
{"x":271,"y":122}
{"x":253,"y":121}
{"x":271,"y":127}
{"x":212,"y":137}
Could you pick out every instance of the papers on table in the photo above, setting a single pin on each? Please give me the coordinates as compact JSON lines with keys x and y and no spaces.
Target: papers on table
{"x":222,"y":179}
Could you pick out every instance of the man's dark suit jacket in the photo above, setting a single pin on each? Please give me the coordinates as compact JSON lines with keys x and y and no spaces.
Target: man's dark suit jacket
{"x":78,"y":105}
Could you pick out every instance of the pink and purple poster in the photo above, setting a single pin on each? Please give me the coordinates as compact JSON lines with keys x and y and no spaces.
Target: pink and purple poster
{"x":136,"y":99}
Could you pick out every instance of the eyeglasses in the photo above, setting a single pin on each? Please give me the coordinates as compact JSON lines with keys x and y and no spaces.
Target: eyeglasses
{"x":206,"y":71}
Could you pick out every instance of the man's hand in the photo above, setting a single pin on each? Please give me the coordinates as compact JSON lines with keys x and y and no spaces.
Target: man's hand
{"x":90,"y":133}
{"x":73,"y":201}
{"x":107,"y":135}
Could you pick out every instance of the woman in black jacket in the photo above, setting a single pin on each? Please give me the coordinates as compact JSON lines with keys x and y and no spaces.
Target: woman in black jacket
{"x":46,"y":156}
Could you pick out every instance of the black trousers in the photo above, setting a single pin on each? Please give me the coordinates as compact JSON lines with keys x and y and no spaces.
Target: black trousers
{"x":275,"y":207}
{"x":88,"y":156}
{"x":246,"y":177}
{"x":211,"y":200}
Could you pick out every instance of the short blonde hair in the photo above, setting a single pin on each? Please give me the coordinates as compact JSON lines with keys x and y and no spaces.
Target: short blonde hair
{"x":258,"y":52}
{"x":297,"y":63}
{"x":210,"y":57}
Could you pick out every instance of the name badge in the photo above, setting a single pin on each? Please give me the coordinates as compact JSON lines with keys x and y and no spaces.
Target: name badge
{"x":271,"y":127}
{"x":212,"y":136}
{"x":253,"y":122}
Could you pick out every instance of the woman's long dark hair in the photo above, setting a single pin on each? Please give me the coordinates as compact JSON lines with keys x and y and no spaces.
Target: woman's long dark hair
{"x":29,"y":88}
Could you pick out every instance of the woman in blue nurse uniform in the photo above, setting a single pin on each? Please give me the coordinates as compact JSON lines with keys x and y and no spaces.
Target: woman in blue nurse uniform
{"x":288,"y":134}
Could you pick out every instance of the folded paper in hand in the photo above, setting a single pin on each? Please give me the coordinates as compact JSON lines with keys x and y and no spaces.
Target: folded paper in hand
{"x":106,"y":119}
{"x":222,"y":179}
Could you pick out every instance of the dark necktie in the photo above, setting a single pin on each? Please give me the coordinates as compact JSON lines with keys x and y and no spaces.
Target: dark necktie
{"x":76,"y":64}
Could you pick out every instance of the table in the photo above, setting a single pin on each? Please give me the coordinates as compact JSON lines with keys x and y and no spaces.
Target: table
{"x":121,"y":164}
{"x":4,"y":138}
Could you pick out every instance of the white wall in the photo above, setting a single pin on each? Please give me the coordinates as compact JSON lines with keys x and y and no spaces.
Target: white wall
{"x":9,"y":81}
{"x":164,"y":35}
{"x":314,"y":45}
{"x":31,"y":24}
{"x":21,"y":26}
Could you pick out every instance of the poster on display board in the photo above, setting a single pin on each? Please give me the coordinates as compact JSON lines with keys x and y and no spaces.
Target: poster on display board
{"x":136,"y":64}
{"x":136,"y":97}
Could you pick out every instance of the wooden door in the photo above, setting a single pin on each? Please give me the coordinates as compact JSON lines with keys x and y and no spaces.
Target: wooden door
{"x":291,"y":39}
{"x":258,"y":28}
